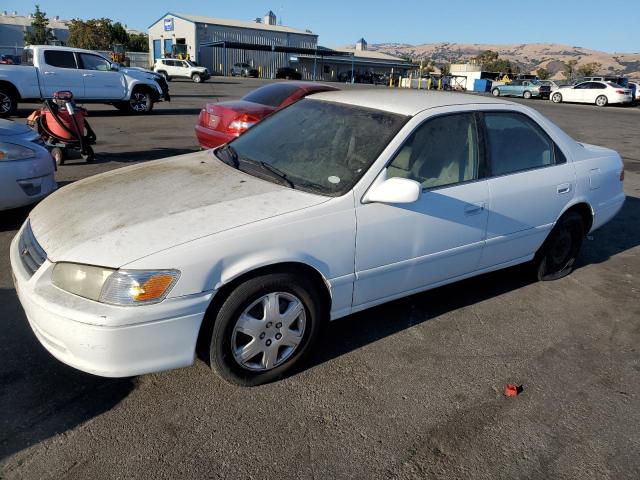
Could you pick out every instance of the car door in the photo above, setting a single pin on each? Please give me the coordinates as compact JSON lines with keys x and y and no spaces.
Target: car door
{"x":578,"y":93}
{"x":594,"y":90}
{"x":183,"y":67}
{"x":60,"y":72}
{"x":530,"y":183}
{"x":402,"y":248}
{"x":100,"y":82}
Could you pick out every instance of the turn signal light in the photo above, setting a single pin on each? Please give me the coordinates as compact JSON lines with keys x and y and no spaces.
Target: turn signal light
{"x":152,"y":288}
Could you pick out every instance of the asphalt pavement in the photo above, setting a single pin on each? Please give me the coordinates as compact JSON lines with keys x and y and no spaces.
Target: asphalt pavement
{"x":410,"y":389}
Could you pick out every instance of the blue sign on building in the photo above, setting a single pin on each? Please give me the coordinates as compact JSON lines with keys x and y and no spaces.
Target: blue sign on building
{"x":168,"y":24}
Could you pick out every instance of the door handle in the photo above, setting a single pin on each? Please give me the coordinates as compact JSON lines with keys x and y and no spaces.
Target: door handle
{"x":564,"y":188}
{"x":87,"y":74}
{"x":473,"y":208}
{"x":49,"y":73}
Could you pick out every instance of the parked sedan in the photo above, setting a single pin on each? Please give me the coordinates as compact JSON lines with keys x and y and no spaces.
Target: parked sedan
{"x":220,"y":123}
{"x":244,"y":70}
{"x":522,"y":88}
{"x":26,"y":166}
{"x":600,"y":93}
{"x":339,"y":202}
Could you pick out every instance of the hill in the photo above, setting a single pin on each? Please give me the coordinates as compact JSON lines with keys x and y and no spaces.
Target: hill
{"x":529,"y":57}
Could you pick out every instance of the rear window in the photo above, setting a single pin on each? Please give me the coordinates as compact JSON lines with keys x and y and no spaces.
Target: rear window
{"x":272,"y":95}
{"x":60,"y":59}
{"x":614,"y":85}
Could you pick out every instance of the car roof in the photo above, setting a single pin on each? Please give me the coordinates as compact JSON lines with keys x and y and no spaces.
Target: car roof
{"x":404,"y":102}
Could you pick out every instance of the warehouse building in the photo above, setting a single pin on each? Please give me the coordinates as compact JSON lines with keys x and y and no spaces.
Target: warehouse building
{"x":218,"y":44}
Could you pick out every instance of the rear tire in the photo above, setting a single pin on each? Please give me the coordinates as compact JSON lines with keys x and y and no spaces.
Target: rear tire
{"x":526,"y":95}
{"x":495,"y":92}
{"x":228,"y":340}
{"x":602,"y":101}
{"x":557,"y":256}
{"x":8,"y":103}
{"x":556,"y":98}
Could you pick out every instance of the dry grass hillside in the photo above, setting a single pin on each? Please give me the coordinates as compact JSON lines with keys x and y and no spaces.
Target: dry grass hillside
{"x":529,"y":57}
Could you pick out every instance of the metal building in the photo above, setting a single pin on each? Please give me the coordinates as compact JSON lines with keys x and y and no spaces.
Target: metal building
{"x":14,"y":26}
{"x":204,"y":40}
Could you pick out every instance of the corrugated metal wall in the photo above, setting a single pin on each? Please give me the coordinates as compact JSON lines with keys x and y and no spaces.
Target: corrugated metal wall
{"x":220,"y":60}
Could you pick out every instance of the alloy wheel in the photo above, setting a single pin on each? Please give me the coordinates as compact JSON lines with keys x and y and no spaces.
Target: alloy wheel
{"x":5,"y":103}
{"x":139,"y":102}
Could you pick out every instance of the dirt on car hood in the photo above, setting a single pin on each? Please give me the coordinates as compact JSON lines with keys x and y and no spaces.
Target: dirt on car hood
{"x":120,"y":216}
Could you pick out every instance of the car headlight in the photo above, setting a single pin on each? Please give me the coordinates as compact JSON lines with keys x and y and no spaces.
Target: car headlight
{"x":114,"y":287}
{"x":11,"y":151}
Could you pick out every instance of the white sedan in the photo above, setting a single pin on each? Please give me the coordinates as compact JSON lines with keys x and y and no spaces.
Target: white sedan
{"x":26,"y":166}
{"x":340,"y":202}
{"x":599,"y":93}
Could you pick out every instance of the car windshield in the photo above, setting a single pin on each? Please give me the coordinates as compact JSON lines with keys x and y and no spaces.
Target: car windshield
{"x":272,"y":95}
{"x":315,"y":145}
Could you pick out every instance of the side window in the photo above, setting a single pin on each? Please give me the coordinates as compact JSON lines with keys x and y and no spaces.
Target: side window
{"x":441,"y":151}
{"x":184,"y":64}
{"x":60,"y":59}
{"x":94,"y":62}
{"x":599,"y":86}
{"x":515,"y":143}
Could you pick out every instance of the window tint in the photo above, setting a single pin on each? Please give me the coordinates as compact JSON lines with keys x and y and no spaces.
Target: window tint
{"x":272,"y":95}
{"x":442,"y":151}
{"x":184,"y":64}
{"x":60,"y":58}
{"x":516,"y":143}
{"x":582,"y":85}
{"x":321,"y":146}
{"x":94,"y":62}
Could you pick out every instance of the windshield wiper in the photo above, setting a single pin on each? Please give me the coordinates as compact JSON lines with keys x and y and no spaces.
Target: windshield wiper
{"x":230,"y":155}
{"x":269,"y":168}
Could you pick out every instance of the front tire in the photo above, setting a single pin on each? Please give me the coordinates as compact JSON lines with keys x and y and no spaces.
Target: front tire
{"x":264,"y":328}
{"x":558,"y":254}
{"x":141,"y":102}
{"x":556,"y":98}
{"x":602,"y":101}
{"x":196,"y":78}
{"x":496,"y":92}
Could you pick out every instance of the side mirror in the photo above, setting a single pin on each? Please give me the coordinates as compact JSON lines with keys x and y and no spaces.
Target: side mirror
{"x":115,"y":67}
{"x":394,"y":190}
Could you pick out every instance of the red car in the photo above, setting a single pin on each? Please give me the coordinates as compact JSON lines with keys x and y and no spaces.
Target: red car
{"x":220,"y":123}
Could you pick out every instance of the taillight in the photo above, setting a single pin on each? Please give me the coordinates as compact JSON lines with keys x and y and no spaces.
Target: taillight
{"x":243,"y":123}
{"x":621,"y":92}
{"x":622,"y":175}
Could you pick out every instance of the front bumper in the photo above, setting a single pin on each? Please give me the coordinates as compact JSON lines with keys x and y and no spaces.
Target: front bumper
{"x":107,"y":340}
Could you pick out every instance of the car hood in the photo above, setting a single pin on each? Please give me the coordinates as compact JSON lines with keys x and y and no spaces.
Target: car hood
{"x":120,"y":216}
{"x":8,"y":127}
{"x":139,"y":73}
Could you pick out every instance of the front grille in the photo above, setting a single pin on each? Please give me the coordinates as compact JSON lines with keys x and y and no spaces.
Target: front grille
{"x":31,"y":253}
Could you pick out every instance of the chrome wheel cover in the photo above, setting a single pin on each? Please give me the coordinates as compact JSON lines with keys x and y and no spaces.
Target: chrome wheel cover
{"x":268,"y":331}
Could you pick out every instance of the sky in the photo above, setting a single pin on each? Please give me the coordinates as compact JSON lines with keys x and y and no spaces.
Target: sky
{"x":584,"y":23}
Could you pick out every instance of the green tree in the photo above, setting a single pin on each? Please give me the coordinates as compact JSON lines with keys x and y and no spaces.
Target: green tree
{"x":569,"y":69}
{"x":39,"y":32}
{"x":138,"y":42}
{"x":589,"y":69}
{"x":543,"y":73}
{"x":491,"y":62}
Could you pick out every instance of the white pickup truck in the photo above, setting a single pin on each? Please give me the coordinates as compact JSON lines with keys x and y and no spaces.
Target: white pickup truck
{"x":89,"y":76}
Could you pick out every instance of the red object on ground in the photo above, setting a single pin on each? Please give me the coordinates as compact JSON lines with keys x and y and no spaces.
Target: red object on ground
{"x":65,"y":118}
{"x":220,"y":123}
{"x":511,"y":390}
